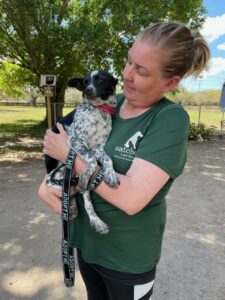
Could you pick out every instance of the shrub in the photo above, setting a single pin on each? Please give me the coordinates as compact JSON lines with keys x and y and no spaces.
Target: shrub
{"x":199,"y":132}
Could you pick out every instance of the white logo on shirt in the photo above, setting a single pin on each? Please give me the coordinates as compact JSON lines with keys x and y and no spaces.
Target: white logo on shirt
{"x":132,"y":142}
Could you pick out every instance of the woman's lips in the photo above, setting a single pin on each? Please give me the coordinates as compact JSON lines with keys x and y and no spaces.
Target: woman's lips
{"x":128,"y":87}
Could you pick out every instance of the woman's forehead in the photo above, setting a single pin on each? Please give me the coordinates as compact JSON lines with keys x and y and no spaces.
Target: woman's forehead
{"x":145,"y":53}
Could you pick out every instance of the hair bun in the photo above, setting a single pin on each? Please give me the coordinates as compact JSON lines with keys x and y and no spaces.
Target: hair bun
{"x":201,"y":54}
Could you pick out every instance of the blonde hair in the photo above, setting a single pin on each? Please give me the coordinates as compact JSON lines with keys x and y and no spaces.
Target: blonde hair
{"x":185,"y":52}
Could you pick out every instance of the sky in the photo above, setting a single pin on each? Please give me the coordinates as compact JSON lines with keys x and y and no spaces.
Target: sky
{"x":213,"y":30}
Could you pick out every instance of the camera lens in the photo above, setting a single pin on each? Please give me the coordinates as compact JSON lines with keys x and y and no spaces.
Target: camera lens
{"x":49,"y":79}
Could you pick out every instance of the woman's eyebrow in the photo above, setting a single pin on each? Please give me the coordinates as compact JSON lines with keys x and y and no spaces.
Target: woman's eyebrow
{"x":139,"y":66}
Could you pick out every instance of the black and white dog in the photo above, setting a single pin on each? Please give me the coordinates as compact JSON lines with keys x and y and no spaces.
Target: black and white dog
{"x":88,"y":133}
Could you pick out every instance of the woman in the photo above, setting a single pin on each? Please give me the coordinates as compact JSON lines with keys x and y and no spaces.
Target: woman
{"x":148,"y":148}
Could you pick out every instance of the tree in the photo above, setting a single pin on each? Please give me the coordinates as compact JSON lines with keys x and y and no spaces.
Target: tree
{"x":14,"y":80}
{"x":71,"y":37}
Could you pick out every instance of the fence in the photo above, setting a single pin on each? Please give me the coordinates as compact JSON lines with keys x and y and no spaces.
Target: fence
{"x":209,"y":115}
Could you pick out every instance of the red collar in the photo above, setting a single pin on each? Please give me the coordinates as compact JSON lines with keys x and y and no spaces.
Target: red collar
{"x":107,"y":108}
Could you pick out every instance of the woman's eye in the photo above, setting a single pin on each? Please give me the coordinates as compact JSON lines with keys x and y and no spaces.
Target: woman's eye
{"x":141,"y":71}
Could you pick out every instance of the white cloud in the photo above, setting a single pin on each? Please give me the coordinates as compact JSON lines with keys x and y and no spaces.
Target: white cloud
{"x":213,"y":28}
{"x":216,"y":66}
{"x":221,"y":46}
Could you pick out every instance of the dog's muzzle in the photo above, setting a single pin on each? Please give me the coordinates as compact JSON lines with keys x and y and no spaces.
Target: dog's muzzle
{"x":90,"y":93}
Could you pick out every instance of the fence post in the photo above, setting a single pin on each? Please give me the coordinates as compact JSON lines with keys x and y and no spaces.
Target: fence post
{"x":199,"y":113}
{"x":48,"y":82}
{"x":54,"y":112}
{"x":48,"y":92}
{"x":49,"y":112}
{"x":200,"y":107}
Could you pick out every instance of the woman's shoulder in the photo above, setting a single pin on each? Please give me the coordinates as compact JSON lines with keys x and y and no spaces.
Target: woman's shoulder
{"x":171,"y":115}
{"x":169,"y":104}
{"x":174,"y":108}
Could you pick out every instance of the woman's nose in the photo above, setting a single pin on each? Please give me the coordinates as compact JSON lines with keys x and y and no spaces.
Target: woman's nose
{"x":127,"y":72}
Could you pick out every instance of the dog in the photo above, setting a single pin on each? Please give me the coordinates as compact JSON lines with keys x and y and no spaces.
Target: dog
{"x":87,"y":134}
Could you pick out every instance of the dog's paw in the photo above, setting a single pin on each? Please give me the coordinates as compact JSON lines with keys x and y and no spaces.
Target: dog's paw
{"x":100,"y":226}
{"x":111,"y":179}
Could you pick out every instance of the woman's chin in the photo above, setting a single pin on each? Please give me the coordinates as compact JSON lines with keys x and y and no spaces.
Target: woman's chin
{"x":129,"y":92}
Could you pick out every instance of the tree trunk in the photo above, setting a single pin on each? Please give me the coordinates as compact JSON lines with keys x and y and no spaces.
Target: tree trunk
{"x":34,"y":101}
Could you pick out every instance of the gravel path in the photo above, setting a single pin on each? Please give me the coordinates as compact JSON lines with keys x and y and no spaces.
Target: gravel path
{"x":192,"y":266}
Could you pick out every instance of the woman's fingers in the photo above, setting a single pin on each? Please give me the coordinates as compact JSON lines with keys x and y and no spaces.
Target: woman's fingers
{"x":50,"y":196}
{"x":55,"y":144}
{"x":61,"y":128}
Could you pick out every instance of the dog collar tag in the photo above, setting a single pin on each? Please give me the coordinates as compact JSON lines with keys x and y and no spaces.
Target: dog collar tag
{"x":107,"y":108}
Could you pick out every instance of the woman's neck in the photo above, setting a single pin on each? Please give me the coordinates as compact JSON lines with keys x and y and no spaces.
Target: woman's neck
{"x":128,"y":110}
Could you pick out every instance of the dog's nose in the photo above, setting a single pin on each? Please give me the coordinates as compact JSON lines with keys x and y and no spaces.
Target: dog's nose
{"x":88,"y":90}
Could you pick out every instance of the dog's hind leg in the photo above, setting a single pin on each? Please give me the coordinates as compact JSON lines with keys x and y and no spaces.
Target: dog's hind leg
{"x":95,"y":221}
{"x":110,"y":176}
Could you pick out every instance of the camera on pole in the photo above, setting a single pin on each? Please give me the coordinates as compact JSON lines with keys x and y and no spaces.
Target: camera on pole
{"x":48,"y":82}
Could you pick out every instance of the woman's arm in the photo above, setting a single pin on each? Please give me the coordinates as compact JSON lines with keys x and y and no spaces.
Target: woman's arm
{"x":137,"y":187}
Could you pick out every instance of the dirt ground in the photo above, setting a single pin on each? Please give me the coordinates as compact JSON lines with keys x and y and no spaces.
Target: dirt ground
{"x":192,"y":266}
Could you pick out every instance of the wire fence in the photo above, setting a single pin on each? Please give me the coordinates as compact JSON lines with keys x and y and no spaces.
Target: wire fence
{"x":207,"y":114}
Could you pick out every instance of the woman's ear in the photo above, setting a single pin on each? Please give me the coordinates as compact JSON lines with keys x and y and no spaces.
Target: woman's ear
{"x":171,"y":84}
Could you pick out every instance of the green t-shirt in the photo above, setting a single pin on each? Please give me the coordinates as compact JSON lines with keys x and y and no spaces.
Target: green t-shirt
{"x":133,"y":243}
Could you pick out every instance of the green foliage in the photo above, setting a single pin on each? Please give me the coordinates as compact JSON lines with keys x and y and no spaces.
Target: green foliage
{"x":200,"y":132}
{"x":13,"y":78}
{"x":71,"y":37}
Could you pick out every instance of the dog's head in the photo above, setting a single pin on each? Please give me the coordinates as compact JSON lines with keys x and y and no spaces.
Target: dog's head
{"x":98,"y":88}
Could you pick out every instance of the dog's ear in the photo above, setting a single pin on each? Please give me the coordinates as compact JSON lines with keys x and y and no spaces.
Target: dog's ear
{"x":76,"y":82}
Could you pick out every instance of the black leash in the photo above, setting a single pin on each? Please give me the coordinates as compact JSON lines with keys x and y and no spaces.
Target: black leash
{"x":67,"y":251}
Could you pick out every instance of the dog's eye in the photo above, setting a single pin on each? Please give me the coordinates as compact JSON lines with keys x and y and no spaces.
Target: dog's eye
{"x":97,"y":77}
{"x":85,"y":81}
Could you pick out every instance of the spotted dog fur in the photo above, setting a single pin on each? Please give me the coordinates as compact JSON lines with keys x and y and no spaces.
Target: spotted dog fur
{"x":88,"y":134}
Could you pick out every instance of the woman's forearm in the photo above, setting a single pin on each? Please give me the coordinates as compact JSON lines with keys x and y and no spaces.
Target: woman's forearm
{"x":137,"y":187}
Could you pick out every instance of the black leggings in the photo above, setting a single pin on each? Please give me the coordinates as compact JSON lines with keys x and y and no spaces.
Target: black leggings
{"x":101,"y":287}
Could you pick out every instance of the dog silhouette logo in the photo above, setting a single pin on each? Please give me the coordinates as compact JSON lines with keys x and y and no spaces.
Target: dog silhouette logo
{"x":132,"y":142}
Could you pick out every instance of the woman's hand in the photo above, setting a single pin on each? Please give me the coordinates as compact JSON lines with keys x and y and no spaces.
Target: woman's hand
{"x":50,"y":196}
{"x":55,"y":144}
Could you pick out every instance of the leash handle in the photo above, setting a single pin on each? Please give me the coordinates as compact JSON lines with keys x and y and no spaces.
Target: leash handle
{"x":67,"y":252}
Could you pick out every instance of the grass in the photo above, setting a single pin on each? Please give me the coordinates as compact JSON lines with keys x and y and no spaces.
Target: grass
{"x":22,"y":123}
{"x":209,"y":115}
{"x":22,"y":129}
{"x":17,"y":120}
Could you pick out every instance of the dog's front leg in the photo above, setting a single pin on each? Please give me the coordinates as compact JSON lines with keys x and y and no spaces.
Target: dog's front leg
{"x":95,"y":221}
{"x":110,"y":177}
{"x":82,"y":150}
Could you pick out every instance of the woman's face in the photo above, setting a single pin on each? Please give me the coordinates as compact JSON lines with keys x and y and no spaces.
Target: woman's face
{"x":144,"y":84}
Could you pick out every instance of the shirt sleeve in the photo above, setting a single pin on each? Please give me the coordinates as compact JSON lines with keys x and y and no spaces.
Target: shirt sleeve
{"x":165,"y":141}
